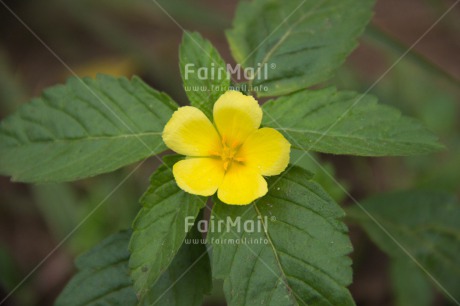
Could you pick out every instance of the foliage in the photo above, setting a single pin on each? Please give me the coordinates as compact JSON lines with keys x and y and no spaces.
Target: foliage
{"x":305,"y":41}
{"x":304,"y":259}
{"x":90,"y":126}
{"x":417,"y":228}
{"x":84,"y":128}
{"x":159,"y":228}
{"x":347,"y":123}
{"x":199,"y":53}
{"x":104,"y":279}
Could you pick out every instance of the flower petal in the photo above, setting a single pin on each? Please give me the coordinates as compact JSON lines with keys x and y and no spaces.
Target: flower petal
{"x":236,"y":116}
{"x":241,"y":185}
{"x":189,"y":132}
{"x":265,"y":150}
{"x":201,"y":176}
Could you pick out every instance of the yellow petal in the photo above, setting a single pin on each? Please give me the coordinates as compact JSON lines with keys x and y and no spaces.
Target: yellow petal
{"x":241,"y":185}
{"x":199,"y":175}
{"x":189,"y":132}
{"x":266,"y":150}
{"x":236,"y":116}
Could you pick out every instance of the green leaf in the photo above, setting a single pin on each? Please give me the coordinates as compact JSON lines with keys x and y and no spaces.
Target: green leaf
{"x":160,"y":228}
{"x":305,"y":40}
{"x":188,"y":277}
{"x":296,"y":254}
{"x":334,"y":122}
{"x":83,"y":128}
{"x":103,"y":277}
{"x":423,"y":223}
{"x":410,"y":285}
{"x":204,"y":72}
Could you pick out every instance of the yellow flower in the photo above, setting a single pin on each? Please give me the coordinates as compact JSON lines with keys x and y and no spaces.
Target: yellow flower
{"x":231,"y":156}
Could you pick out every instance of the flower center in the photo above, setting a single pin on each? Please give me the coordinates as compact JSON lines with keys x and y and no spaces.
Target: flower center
{"x":228,"y":153}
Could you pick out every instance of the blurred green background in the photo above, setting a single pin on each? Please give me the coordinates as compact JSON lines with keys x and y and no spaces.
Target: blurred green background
{"x":141,"y":37}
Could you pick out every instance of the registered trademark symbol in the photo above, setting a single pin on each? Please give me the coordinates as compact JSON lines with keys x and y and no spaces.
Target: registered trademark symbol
{"x":273,"y":66}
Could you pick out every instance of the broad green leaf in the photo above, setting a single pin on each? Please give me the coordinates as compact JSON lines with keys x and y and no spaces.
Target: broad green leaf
{"x":425,"y":225}
{"x":188,"y":277}
{"x":334,"y":122}
{"x":160,"y":228}
{"x":204,"y":72}
{"x":410,"y":284}
{"x":103,"y":277}
{"x":83,"y":128}
{"x":302,"y":41}
{"x":296,"y":254}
